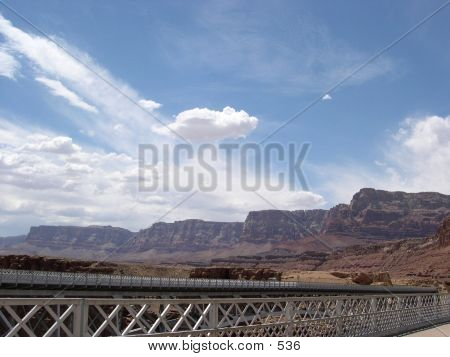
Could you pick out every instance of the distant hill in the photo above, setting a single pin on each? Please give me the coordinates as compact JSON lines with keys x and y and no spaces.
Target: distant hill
{"x":372,"y":216}
{"x":6,"y":242}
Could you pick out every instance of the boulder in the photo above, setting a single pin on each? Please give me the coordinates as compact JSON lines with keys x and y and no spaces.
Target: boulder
{"x":382,"y":278}
{"x":362,"y":278}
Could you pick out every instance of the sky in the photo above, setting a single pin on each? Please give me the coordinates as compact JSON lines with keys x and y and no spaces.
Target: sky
{"x":148,"y":72}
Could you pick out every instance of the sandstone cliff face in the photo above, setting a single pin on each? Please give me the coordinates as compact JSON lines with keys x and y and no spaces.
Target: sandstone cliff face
{"x":91,"y":237}
{"x":190,"y":235}
{"x":371,"y":215}
{"x":377,"y":214}
{"x":280,"y":226}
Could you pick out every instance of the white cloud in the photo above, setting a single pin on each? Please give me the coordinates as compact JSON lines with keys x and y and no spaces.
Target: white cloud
{"x":425,"y":137}
{"x":304,"y":200}
{"x":49,"y":61}
{"x":235,"y":206}
{"x":327,"y":97}
{"x":56,"y":145}
{"x":46,"y":178}
{"x":417,"y":158}
{"x":9,"y":66}
{"x":421,"y":153}
{"x":205,"y":124}
{"x":11,"y":134}
{"x":149,"y":104}
{"x":59,"y":90}
{"x":285,"y":49}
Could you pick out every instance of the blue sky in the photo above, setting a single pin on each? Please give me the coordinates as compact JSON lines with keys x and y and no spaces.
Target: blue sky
{"x":388,"y":127}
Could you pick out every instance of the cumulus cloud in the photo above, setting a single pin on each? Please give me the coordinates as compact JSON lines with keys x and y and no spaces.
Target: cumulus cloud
{"x":421,"y":153}
{"x":149,"y":104}
{"x":56,"y":145}
{"x":45,"y":178}
{"x":426,"y":136}
{"x":416,"y":159}
{"x":205,"y":124}
{"x":58,"y":89}
{"x":9,"y":66}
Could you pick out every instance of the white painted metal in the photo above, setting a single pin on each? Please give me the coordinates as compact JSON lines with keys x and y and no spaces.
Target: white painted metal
{"x":366,"y":315}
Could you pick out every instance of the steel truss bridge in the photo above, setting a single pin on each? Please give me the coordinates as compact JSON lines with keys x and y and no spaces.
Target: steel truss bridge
{"x":298,"y":310}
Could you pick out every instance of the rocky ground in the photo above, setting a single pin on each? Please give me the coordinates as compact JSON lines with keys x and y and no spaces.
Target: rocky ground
{"x":25,"y":262}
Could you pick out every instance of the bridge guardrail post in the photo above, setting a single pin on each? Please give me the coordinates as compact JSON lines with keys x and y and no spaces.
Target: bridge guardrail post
{"x":374,"y":314}
{"x":213,"y":318}
{"x":435,"y":307}
{"x":339,"y":317}
{"x":80,"y":321}
{"x":289,"y":311}
{"x":401,"y":306}
{"x":421,"y":299}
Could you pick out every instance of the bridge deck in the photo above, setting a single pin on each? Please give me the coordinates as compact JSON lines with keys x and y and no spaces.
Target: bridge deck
{"x":437,"y":331}
{"x":37,"y":280}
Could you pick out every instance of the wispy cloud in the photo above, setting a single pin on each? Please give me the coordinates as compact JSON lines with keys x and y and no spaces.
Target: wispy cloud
{"x":9,"y":66}
{"x":59,"y":90}
{"x":267,"y":44}
{"x":113,"y":99}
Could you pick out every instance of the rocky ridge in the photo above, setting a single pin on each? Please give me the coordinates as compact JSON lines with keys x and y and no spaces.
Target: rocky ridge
{"x":414,"y":257}
{"x":372,"y":216}
{"x":189,"y":235}
{"x":91,"y":237}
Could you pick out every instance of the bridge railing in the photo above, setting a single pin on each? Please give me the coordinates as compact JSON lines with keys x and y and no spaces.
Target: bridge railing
{"x":97,"y":281}
{"x":365,"y":315}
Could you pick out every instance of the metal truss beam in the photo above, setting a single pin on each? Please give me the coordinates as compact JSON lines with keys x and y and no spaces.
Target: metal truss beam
{"x":364,"y":315}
